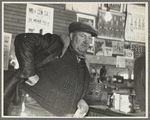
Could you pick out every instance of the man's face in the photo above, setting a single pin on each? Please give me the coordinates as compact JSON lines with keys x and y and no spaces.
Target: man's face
{"x":80,"y":41}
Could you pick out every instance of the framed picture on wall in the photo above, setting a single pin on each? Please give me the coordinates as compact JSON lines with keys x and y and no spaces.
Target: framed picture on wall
{"x":112,"y":29}
{"x":86,"y":19}
{"x":91,"y":21}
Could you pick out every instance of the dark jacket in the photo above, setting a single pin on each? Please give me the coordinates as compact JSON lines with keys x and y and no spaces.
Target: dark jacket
{"x":35,"y":52}
{"x":61,"y":85}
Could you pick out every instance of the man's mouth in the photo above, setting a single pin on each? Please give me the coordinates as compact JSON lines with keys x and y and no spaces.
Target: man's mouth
{"x":84,"y":45}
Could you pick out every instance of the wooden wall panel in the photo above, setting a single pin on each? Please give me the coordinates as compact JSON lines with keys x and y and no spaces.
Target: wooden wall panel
{"x":15,"y":19}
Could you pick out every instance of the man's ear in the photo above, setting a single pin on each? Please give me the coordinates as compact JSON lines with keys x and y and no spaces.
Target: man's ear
{"x":71,"y":35}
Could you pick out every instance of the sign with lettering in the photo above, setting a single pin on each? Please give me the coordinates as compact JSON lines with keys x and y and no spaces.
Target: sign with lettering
{"x":6,"y":46}
{"x":39,"y":19}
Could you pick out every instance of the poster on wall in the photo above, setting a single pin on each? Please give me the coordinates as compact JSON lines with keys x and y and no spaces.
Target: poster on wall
{"x":7,"y":42}
{"x":91,"y":21}
{"x":113,"y":29}
{"x":39,"y":19}
{"x":136,"y":23}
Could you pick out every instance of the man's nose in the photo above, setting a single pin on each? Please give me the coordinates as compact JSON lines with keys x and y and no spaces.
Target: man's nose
{"x":87,"y":42}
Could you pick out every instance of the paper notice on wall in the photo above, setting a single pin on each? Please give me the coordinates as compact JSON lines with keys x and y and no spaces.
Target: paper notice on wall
{"x":39,"y":19}
{"x":136,"y":23}
{"x":83,"y":8}
{"x":68,"y":6}
{"x":120,"y":62}
{"x":6,"y":44}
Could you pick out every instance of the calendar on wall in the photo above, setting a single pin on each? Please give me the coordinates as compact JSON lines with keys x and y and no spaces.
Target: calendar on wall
{"x":136,"y":23}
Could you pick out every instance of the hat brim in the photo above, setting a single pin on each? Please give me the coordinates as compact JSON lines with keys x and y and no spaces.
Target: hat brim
{"x":88,"y":31}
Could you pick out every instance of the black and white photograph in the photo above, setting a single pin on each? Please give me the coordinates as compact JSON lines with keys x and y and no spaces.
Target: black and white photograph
{"x":99,"y":47}
{"x":59,"y":59}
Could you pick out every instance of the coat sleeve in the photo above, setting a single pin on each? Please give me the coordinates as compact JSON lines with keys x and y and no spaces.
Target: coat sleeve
{"x":26,"y":47}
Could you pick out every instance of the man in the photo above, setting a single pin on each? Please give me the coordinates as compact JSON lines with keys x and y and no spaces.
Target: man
{"x":57,"y":81}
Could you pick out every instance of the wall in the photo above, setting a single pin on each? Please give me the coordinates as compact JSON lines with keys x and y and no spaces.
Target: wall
{"x":15,"y":19}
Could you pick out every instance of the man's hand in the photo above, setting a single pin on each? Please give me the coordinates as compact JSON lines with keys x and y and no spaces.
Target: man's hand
{"x":32,"y":80}
{"x":82,"y":108}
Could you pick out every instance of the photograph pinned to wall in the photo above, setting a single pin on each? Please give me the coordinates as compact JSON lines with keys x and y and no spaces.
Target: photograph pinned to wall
{"x":108,"y":51}
{"x":91,"y":21}
{"x":6,"y":46}
{"x":39,"y":19}
{"x":118,"y":48}
{"x":128,"y":54}
{"x":99,"y":46}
